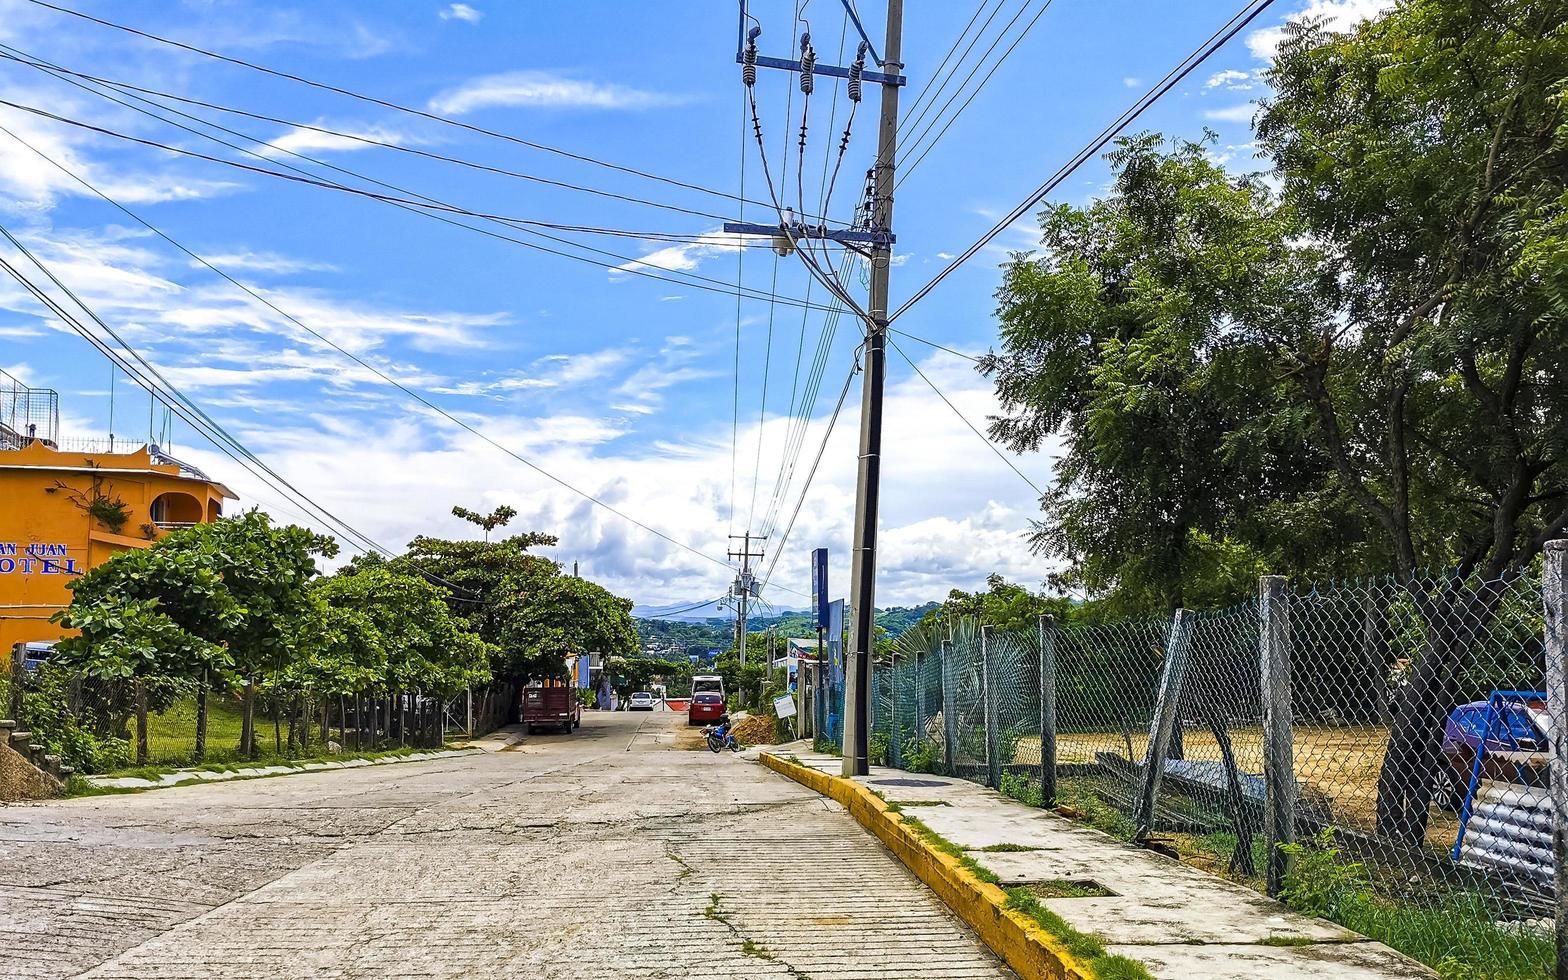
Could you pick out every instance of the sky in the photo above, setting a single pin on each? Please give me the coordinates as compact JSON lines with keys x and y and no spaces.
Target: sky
{"x":673,"y":406}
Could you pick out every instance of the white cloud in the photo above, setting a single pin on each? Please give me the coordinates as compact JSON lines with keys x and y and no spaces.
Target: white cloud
{"x":462,"y":12}
{"x":552,"y":371}
{"x":547,"y":90}
{"x":1230,"y":80}
{"x":303,"y":140}
{"x":1132,"y":82}
{"x":1338,"y":15}
{"x":687,"y":255}
{"x":399,"y":474}
{"x":1234,"y":114}
{"x":262,"y":262}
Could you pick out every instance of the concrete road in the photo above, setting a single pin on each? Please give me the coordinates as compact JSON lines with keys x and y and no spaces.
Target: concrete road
{"x":617,"y":851}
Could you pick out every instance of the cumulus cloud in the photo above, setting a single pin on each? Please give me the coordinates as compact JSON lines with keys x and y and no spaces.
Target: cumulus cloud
{"x":685,"y":256}
{"x":462,"y":12}
{"x":1338,"y":15}
{"x":545,"y":90}
{"x":1230,"y":80}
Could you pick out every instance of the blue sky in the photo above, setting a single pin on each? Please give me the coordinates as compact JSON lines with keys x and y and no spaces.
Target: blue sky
{"x":622,"y":385}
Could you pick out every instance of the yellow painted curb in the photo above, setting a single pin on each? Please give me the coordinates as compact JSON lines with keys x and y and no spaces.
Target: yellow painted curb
{"x":1028,"y":949}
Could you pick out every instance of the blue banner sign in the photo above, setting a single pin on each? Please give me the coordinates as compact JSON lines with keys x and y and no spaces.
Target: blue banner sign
{"x":819,"y":586}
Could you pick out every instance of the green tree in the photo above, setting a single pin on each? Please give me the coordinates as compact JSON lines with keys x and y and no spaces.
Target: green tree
{"x":500,"y":517}
{"x":1360,"y":371}
{"x":552,"y":618}
{"x":267,"y":569}
{"x":152,"y":623}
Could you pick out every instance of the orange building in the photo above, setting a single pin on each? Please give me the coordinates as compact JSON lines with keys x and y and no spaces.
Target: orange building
{"x":67,"y":508}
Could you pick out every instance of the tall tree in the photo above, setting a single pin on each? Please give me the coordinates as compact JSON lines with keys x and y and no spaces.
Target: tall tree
{"x":1369,"y":361}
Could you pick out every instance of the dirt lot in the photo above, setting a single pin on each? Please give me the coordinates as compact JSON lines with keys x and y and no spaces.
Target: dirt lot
{"x":1338,"y":766}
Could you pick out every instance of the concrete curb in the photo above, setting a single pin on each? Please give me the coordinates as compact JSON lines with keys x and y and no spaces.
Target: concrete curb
{"x":182,"y":777}
{"x":1028,"y":949}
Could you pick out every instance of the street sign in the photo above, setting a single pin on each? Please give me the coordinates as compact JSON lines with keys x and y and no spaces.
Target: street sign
{"x":819,"y":586}
{"x":692,"y":657}
{"x":784,"y":706}
{"x":713,"y":654}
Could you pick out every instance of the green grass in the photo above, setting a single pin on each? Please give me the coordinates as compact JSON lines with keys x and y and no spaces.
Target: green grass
{"x":1285,"y":941}
{"x":952,"y":850}
{"x":1007,"y":848}
{"x":79,"y":786}
{"x":1082,"y":945}
{"x":1067,"y":888}
{"x":1459,"y":937}
{"x":758,"y":950}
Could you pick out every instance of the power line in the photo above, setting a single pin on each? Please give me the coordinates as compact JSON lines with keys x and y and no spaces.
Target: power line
{"x":932,"y":343}
{"x":410,"y":392}
{"x":909,"y":168}
{"x":424,"y":207}
{"x":387,"y":104}
{"x":964,"y":419}
{"x":1236,"y":24}
{"x":917,"y":111}
{"x":921,"y":95}
{"x":810,"y":476}
{"x":33,"y":61}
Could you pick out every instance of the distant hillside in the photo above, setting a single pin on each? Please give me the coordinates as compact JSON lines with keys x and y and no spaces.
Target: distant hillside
{"x":719,"y":633}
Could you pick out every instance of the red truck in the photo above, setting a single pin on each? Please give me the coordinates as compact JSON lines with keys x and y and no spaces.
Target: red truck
{"x":547,"y":707}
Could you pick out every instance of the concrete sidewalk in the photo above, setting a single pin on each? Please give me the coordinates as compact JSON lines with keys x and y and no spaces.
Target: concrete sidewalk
{"x":1178,"y":921}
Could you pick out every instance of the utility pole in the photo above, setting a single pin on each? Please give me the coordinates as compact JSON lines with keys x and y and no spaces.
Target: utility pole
{"x":863,"y":565}
{"x":745,"y":585}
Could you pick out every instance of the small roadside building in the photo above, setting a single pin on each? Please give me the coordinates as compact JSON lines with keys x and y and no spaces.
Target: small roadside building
{"x":66,"y":508}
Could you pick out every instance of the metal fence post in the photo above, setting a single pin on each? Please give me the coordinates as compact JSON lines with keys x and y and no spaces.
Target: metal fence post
{"x":949,"y":709}
{"x":920,"y":704}
{"x":1048,"y":710}
{"x":1164,"y":720}
{"x":18,"y":680}
{"x":993,"y":733}
{"x":895,"y":751}
{"x":1279,"y":775}
{"x":1554,"y":599}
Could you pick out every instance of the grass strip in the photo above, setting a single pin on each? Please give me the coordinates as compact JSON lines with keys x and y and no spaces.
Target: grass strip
{"x":1085,"y":947}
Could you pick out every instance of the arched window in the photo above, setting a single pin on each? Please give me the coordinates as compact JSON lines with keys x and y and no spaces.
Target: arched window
{"x":176,"y":510}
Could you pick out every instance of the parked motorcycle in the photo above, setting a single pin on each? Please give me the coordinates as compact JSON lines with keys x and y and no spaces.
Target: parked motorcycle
{"x":719,"y":737}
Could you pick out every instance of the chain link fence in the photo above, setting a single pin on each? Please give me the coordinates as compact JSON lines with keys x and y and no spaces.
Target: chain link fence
{"x":1378,"y":752}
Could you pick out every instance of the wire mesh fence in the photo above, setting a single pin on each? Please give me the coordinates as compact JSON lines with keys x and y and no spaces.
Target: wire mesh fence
{"x":1379,"y":752}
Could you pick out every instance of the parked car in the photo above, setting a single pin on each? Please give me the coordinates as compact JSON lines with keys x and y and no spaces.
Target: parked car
{"x":641,"y":701}
{"x":1518,"y":747}
{"x":705,"y":707}
{"x":551,"y":707}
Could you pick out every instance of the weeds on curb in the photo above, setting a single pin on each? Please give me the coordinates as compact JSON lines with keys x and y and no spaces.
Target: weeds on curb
{"x":952,"y":850}
{"x":1081,"y":945}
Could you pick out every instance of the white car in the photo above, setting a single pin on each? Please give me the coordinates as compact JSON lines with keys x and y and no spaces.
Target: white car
{"x":641,"y":701}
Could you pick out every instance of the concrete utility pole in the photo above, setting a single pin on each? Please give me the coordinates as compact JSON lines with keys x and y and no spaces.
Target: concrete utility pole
{"x":745,"y":585}
{"x":863,"y":567}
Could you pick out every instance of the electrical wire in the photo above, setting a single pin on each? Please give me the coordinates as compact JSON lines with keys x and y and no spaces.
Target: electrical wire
{"x":434,"y":209}
{"x":810,"y":476}
{"x":926,"y":88}
{"x":932,"y":343}
{"x":33,"y":61}
{"x":386,"y":104}
{"x":362,"y":362}
{"x":425,"y":206}
{"x":964,"y":419}
{"x":1249,"y":13}
{"x":162,"y":390}
{"x":952,"y":118}
{"x":914,"y":117}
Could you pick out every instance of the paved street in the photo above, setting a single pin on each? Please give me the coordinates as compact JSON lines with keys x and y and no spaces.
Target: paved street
{"x":613,"y":852}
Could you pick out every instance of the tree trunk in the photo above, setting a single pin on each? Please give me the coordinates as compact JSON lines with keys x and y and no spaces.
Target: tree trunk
{"x":325,"y":730}
{"x":1451,"y":622}
{"x":277,"y":729}
{"x":141,"y":723}
{"x":402,"y":718}
{"x":248,"y":720}
{"x":293,"y":741}
{"x":201,"y":719}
